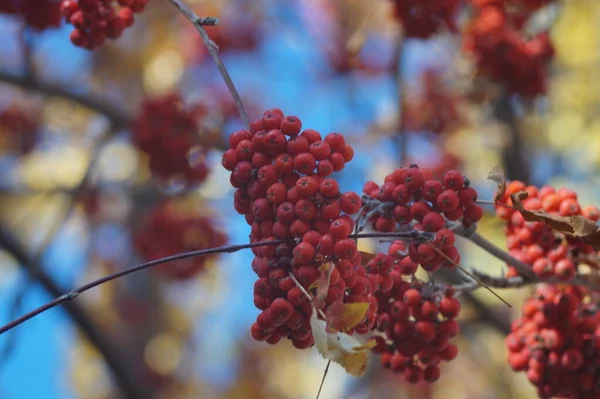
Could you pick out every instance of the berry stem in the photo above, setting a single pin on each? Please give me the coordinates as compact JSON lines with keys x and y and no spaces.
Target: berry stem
{"x":213,"y":50}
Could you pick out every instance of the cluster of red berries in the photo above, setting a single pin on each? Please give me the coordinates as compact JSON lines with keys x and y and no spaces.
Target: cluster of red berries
{"x":19,"y":128}
{"x":501,"y":51}
{"x":548,"y":252}
{"x":416,"y":320}
{"x":38,"y":14}
{"x":167,"y":132}
{"x":436,"y":111}
{"x":406,"y":198}
{"x":285,"y":192}
{"x":557,"y":342}
{"x":176,"y":226}
{"x":424,"y":18}
{"x":96,"y":20}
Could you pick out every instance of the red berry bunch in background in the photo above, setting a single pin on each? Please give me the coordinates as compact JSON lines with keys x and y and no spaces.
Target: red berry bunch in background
{"x":406,"y":198}
{"x":97,"y":20}
{"x":502,"y":52}
{"x":175,"y":226}
{"x":19,"y":128}
{"x":166,"y":131}
{"x":284,"y":189}
{"x":416,"y":320}
{"x":424,"y":18}
{"x":557,"y":342}
{"x":436,"y":110}
{"x":549,"y":253}
{"x":37,"y":14}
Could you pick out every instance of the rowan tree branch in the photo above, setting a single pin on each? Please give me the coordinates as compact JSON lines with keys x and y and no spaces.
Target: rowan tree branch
{"x":115,"y":115}
{"x":522,"y":268}
{"x":124,"y":378}
{"x":213,"y":50}
{"x":514,"y":153}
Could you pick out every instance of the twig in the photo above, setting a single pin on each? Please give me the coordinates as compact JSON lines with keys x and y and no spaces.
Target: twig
{"x":416,"y":235}
{"x":492,"y":281}
{"x":465,"y":271}
{"x":74,"y":293}
{"x":522,"y":268}
{"x":35,"y":262}
{"x":33,"y":270}
{"x":402,"y":139}
{"x":115,"y":114}
{"x":124,"y":378}
{"x":514,"y":156}
{"x":323,"y":379}
{"x":213,"y":50}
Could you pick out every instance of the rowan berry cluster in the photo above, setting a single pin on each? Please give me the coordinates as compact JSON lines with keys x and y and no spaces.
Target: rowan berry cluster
{"x":557,"y":342}
{"x":417,"y":321}
{"x":19,"y":128}
{"x":284,"y":190}
{"x":97,"y":20}
{"x":37,"y":14}
{"x":424,"y":18}
{"x":167,"y":132}
{"x":548,"y":252}
{"x":406,"y":198}
{"x":172,"y":227}
{"x":501,"y":51}
{"x":436,"y":111}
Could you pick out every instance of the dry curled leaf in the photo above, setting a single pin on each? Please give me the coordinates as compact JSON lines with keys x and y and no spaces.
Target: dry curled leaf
{"x":340,"y":348}
{"x":345,"y":316}
{"x":365,"y":257}
{"x":322,"y":284}
{"x":497,"y":175}
{"x":576,"y":226}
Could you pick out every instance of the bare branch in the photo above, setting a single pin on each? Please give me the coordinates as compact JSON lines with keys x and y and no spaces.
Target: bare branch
{"x":126,"y":380}
{"x":522,"y":268}
{"x":116,"y":115}
{"x":213,"y":50}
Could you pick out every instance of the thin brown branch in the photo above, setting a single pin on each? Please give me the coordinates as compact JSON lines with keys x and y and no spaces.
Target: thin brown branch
{"x":465,"y":271}
{"x":416,"y":235}
{"x":213,"y":50}
{"x":402,"y":138}
{"x":522,"y":268}
{"x":115,"y":115}
{"x":124,"y":378}
{"x":75,"y":293}
{"x":492,"y":281}
{"x":514,"y":152}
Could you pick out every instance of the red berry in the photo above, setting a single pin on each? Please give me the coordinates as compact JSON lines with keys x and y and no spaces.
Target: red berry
{"x":447,"y":201}
{"x":311,"y":136}
{"x":320,"y":150}
{"x":305,"y":163}
{"x":291,"y":125}
{"x":454,"y":180}
{"x":336,"y":141}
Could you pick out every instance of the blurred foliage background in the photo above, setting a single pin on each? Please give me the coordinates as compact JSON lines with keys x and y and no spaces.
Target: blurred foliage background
{"x":74,"y":189}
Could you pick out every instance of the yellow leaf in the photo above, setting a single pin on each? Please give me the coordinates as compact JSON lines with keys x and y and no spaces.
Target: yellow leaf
{"x":340,"y":348}
{"x":345,"y":316}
